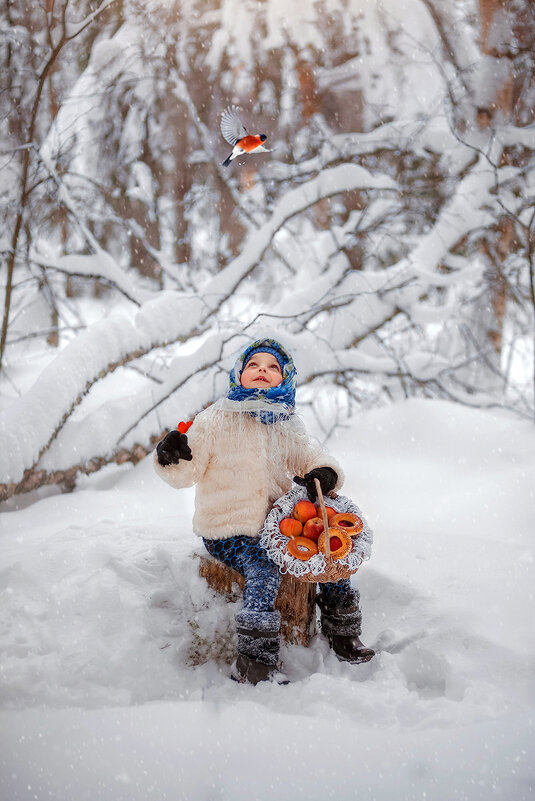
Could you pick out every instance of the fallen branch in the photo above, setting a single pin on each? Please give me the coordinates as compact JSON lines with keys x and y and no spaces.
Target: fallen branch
{"x":34,"y":479}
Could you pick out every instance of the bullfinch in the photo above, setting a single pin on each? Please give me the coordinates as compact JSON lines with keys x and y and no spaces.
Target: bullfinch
{"x":236,"y":134}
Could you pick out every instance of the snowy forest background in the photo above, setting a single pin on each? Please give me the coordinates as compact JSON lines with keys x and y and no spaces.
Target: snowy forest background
{"x":389,"y":238}
{"x":389,"y":241}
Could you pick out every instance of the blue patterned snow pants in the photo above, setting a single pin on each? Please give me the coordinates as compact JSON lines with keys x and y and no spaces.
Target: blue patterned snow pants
{"x":262,"y":577}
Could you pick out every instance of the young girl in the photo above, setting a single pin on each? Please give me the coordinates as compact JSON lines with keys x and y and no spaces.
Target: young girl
{"x":241,"y":454}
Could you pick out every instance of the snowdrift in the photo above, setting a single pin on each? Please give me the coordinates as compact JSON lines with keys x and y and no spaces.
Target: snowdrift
{"x":115,"y":655}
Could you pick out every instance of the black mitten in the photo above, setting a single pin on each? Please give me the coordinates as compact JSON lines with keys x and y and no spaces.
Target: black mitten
{"x":173,"y":447}
{"x":326,"y":476}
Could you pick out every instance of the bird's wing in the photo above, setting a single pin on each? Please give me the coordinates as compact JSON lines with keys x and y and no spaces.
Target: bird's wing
{"x":231,"y":126}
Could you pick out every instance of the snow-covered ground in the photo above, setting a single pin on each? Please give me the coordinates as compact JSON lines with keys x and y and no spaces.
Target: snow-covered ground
{"x":115,"y":655}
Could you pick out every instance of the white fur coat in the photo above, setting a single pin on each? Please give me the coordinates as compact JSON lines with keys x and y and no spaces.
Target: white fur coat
{"x":240,"y":467}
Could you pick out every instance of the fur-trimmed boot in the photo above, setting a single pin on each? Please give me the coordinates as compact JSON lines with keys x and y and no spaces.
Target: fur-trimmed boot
{"x":342,"y":626}
{"x":258,"y":647}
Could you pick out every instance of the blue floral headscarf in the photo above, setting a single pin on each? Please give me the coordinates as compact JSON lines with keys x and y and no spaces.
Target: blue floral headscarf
{"x":282,"y":397}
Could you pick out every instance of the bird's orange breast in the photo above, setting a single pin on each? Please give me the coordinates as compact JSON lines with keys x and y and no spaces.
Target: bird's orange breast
{"x":249,"y":143}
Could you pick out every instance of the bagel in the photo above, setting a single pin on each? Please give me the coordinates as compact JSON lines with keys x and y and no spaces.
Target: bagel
{"x":339,"y":540}
{"x":302,"y":548}
{"x":350,"y":523}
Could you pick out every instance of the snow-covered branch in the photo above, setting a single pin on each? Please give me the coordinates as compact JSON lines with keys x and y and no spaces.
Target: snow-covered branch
{"x":98,"y":266}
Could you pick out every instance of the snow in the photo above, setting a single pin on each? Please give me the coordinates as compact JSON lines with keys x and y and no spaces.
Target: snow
{"x":115,"y":655}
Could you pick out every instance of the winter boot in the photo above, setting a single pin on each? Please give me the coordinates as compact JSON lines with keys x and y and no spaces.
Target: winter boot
{"x":342,"y":627}
{"x":258,"y":647}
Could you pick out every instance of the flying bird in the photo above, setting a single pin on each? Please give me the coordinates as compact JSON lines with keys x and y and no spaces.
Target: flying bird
{"x":236,"y":135}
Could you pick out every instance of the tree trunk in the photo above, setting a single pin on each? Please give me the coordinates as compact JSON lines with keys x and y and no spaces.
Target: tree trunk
{"x":495,"y":20}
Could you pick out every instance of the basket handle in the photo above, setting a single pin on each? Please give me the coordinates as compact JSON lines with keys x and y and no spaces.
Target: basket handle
{"x":319,"y":493}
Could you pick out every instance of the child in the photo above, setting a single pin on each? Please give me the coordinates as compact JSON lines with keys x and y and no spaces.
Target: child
{"x":241,"y":453}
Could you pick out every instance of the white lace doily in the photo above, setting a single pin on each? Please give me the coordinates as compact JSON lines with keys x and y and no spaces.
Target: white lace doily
{"x":274,"y":542}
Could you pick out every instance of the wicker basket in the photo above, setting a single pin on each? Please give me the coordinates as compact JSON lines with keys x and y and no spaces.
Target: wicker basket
{"x":319,"y":567}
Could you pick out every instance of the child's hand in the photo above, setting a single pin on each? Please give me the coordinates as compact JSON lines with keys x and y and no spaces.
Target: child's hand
{"x":326,"y":476}
{"x":173,"y":447}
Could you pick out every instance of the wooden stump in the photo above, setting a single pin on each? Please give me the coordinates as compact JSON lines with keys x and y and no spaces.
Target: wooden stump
{"x":295,"y":600}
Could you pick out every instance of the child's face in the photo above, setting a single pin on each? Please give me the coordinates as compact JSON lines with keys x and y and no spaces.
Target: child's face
{"x":262,"y":370}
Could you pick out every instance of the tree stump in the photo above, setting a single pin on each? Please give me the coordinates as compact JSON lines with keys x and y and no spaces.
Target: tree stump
{"x":295,"y":599}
